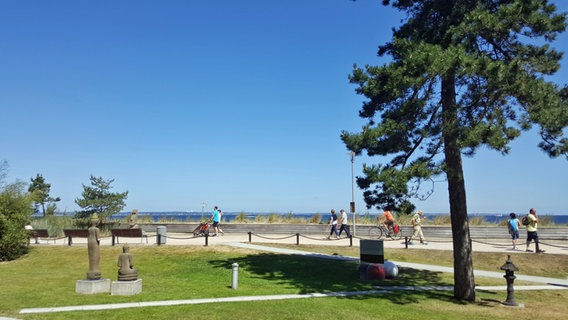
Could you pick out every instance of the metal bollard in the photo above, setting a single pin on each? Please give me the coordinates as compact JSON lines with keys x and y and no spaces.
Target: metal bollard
{"x":235,"y":284}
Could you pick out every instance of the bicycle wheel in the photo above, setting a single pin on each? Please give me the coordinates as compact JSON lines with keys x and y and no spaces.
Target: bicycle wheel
{"x":375,"y":233}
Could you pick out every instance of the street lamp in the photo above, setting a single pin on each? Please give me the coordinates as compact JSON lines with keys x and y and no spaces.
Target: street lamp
{"x":352,"y":204}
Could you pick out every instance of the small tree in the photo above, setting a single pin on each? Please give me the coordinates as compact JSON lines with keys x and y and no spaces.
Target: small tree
{"x":98,"y":199}
{"x":15,"y":211}
{"x":40,"y":195}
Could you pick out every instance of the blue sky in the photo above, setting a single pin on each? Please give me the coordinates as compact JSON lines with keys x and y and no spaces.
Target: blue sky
{"x":232,"y":103}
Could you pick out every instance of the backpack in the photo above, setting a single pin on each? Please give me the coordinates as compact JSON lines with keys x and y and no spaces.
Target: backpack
{"x":395,"y":228}
{"x":525,"y":220}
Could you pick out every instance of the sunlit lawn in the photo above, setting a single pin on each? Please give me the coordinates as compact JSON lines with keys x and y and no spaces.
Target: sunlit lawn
{"x":47,"y":276}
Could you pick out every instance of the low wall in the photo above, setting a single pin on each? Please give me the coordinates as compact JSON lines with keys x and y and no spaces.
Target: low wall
{"x":362,"y":231}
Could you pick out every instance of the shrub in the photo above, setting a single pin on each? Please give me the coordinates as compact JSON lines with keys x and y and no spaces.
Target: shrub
{"x":241,"y":217}
{"x":316,"y":218}
{"x":15,"y":211}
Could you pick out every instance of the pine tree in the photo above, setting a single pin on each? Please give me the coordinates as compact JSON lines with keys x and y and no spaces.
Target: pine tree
{"x":464,"y":74}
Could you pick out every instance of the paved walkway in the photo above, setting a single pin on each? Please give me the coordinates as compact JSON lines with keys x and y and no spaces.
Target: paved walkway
{"x":262,"y":243}
{"x":556,"y":247}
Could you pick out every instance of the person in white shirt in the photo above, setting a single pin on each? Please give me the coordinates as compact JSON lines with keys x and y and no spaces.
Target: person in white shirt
{"x":344,"y":224}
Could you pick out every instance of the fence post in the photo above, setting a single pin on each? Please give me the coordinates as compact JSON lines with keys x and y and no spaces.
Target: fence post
{"x":297,"y":239}
{"x":206,"y":240}
{"x":351,"y":240}
{"x":250,"y":236}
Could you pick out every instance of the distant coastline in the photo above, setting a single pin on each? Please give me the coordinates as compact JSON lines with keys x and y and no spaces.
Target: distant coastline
{"x":230,"y":216}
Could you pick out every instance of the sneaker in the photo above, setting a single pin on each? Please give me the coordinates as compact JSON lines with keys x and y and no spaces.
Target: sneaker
{"x":529,"y":250}
{"x":222,"y":233}
{"x":540,"y":251}
{"x":328,"y":237}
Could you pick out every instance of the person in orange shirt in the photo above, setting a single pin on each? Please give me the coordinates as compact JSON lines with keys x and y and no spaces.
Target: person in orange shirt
{"x":387,"y":220}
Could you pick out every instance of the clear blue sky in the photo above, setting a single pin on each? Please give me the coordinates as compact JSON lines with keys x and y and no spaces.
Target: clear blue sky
{"x":232,"y":103}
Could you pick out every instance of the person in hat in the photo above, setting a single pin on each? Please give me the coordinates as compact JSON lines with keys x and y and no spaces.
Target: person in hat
{"x":417,"y":226}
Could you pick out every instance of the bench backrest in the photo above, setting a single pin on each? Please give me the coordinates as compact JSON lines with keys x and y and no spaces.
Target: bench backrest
{"x":80,"y":233}
{"x":39,"y":233}
{"x":136,"y":232}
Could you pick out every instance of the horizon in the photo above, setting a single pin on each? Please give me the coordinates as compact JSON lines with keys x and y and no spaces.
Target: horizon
{"x":235,"y":103}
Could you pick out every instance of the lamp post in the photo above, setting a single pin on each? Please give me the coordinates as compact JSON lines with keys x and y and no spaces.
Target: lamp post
{"x":203,"y":205}
{"x":352,"y":204}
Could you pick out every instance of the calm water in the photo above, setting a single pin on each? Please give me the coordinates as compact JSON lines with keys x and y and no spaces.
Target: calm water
{"x":230,"y":216}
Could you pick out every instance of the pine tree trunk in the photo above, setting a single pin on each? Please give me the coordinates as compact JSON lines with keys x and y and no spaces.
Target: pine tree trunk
{"x":464,"y":282}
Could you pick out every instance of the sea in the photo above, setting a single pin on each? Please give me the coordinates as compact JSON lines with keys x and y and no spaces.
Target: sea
{"x":230,"y":216}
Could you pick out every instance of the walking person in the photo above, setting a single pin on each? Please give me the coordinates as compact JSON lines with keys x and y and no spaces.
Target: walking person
{"x":344,"y":224}
{"x":513,"y":226}
{"x":215,"y":218}
{"x":532,"y":230}
{"x":333,"y":224}
{"x":219,"y":224}
{"x":417,"y":226}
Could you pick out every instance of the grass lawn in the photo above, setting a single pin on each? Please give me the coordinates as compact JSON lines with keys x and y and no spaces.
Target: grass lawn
{"x":46,"y":278}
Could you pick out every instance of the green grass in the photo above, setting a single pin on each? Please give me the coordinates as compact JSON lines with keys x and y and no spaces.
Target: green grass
{"x":46,"y":278}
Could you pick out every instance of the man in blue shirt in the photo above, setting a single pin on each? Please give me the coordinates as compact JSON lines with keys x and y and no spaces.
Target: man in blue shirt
{"x":216,"y":218}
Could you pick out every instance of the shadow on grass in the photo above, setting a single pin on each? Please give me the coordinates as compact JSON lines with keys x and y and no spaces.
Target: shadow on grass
{"x":309,"y":275}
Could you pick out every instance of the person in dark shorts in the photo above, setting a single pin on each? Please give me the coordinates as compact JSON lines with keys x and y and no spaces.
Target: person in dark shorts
{"x":532,"y":234}
{"x":216,"y":218}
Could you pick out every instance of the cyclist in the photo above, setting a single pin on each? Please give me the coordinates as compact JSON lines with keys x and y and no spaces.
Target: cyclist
{"x":387,"y":221}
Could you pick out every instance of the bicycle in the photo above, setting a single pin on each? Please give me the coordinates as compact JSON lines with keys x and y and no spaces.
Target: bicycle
{"x":378,"y":231}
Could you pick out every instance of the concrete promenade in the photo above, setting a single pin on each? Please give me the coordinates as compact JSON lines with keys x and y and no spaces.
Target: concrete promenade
{"x":440,"y":243}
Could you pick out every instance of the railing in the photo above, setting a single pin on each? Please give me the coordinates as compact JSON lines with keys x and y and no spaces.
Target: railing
{"x":476,"y":232}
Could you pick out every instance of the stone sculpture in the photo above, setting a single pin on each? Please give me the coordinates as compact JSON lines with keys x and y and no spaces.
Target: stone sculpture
{"x":93,"y":246}
{"x":126,"y":271}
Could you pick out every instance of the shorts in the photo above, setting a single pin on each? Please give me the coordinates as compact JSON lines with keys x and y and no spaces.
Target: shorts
{"x":215,"y":223}
{"x":532,"y":235}
{"x":389,"y":222}
{"x":515,"y":234}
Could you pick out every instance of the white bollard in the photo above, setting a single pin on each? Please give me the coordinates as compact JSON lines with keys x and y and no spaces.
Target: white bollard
{"x":235,"y":275}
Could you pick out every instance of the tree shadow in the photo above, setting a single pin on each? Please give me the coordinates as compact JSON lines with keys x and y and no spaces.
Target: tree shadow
{"x":311,"y":274}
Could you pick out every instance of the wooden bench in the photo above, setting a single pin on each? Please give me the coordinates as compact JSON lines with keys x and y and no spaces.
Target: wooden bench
{"x":128,"y":233}
{"x":75,"y":233}
{"x":38,"y":234}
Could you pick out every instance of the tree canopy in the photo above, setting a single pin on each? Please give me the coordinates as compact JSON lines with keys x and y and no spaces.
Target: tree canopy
{"x":464,"y":74}
{"x":40,"y":194}
{"x":98,"y":199}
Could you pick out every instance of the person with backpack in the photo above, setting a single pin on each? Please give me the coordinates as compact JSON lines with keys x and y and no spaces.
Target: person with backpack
{"x":532,"y":230}
{"x":513,"y":226}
